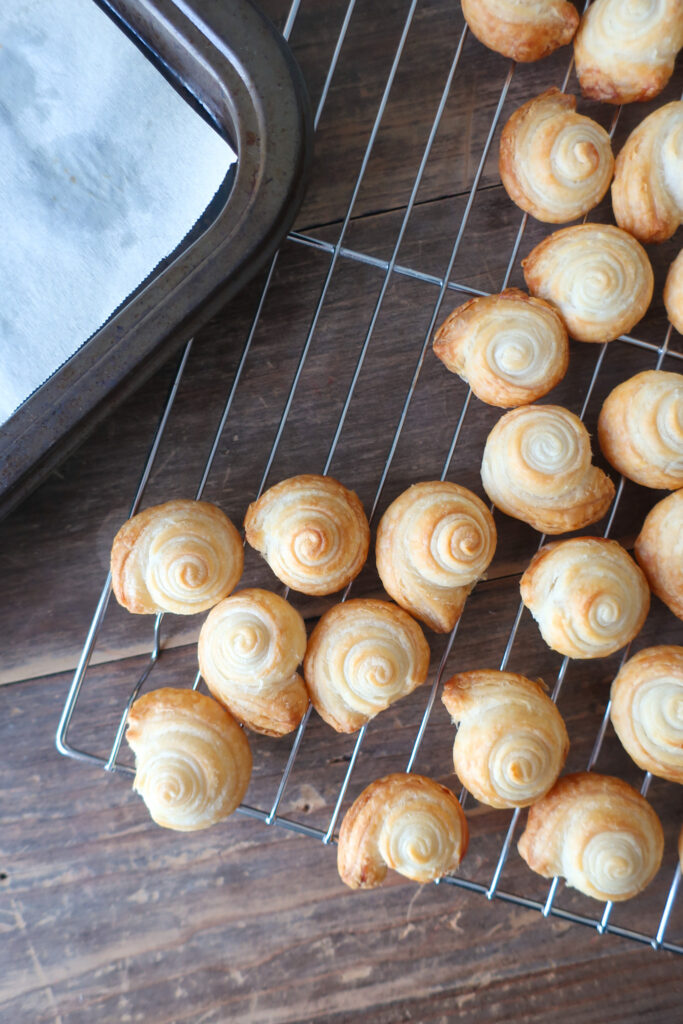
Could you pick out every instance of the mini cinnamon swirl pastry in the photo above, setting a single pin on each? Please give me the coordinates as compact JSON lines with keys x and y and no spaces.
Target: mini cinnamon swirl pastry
{"x":625,"y":50}
{"x":673,"y":293}
{"x":647,"y":191}
{"x":597,"y":275}
{"x":596,"y":832}
{"x":640,"y":429}
{"x":192,"y":760}
{"x":587,"y":595}
{"x":537,"y":467}
{"x":524,"y":30}
{"x":362,"y":656}
{"x":554,"y":163}
{"x":405,"y":822}
{"x":659,"y":551}
{"x":511,"y":741}
{"x":433,"y":543}
{"x":250,"y":647}
{"x":510,"y":348}
{"x":312,"y":531}
{"x":182,"y":556}
{"x":647,"y":710}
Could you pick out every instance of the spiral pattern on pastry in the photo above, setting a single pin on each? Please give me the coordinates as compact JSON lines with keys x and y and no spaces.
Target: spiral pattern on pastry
{"x":192,"y":760}
{"x":511,"y":741}
{"x":625,"y":50}
{"x":510,"y":348}
{"x":362,"y":656}
{"x":596,"y":832}
{"x":587,"y":595}
{"x":249,"y":649}
{"x":673,"y":293}
{"x":647,"y":710}
{"x":659,"y":551}
{"x":524,"y":30}
{"x":312,"y":531}
{"x":554,"y":163}
{"x":405,"y":822}
{"x":182,"y":556}
{"x":433,"y":543}
{"x":598,"y":277}
{"x":640,"y":429}
{"x":647,"y":191}
{"x":537,"y":467}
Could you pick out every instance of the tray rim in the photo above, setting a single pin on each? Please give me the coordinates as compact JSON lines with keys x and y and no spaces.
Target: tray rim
{"x":262,"y":105}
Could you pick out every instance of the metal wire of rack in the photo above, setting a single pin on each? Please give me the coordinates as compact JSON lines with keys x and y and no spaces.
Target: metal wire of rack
{"x":336,"y":253}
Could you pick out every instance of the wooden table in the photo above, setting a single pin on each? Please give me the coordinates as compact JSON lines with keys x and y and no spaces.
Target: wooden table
{"x":107,"y":918}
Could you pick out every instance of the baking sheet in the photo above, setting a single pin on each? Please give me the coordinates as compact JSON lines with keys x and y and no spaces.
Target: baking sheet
{"x":105,"y":170}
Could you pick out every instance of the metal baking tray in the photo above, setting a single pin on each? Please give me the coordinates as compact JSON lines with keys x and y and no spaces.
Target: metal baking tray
{"x":237,"y":71}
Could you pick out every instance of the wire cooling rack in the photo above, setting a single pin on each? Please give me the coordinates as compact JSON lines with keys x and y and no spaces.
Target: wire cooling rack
{"x":430,"y":734}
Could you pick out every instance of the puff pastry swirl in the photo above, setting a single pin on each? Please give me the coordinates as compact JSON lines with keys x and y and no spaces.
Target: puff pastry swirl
{"x":554,"y":163}
{"x":362,"y":656}
{"x":405,"y":822}
{"x":312,"y":531}
{"x":524,"y":30}
{"x":596,"y":832}
{"x":537,"y":467}
{"x":640,"y":428}
{"x":433,"y":543}
{"x":182,"y":556}
{"x":249,"y":649}
{"x":597,"y":275}
{"x":659,"y":551}
{"x":511,"y":741}
{"x":647,"y":710}
{"x":673,"y":293}
{"x":510,"y":348}
{"x":587,"y":595}
{"x":625,"y":50}
{"x":192,"y":760}
{"x":647,"y":191}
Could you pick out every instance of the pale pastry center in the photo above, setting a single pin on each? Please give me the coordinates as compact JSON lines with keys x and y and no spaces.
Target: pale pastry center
{"x":614,"y":862}
{"x":518,"y":763}
{"x":658,"y":717}
{"x":416,"y":843}
{"x":550,"y":445}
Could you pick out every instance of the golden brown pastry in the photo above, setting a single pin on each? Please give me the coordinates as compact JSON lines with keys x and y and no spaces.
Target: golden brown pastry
{"x":659,"y":551}
{"x":182,"y":556}
{"x":554,"y":163}
{"x":192,"y":760}
{"x":537,"y":467}
{"x":406,"y":822}
{"x":647,"y":191}
{"x":362,"y":656}
{"x":673,"y":293}
{"x":250,"y":647}
{"x":511,"y":741}
{"x":433,"y":543}
{"x":647,"y":710}
{"x":597,"y":275}
{"x":596,"y":832}
{"x":587,"y":595}
{"x":640,"y":429}
{"x":312,"y":531}
{"x":625,"y":50}
{"x":510,"y":348}
{"x":524,"y":30}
